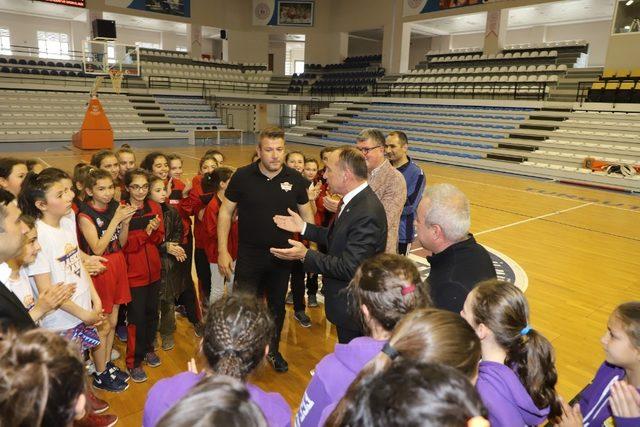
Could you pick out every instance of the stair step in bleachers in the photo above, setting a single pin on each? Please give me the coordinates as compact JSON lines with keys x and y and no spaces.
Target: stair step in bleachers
{"x":189,"y":112}
{"x":490,"y":136}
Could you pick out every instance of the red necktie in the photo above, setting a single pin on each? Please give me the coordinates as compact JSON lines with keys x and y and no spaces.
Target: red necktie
{"x":335,"y":216}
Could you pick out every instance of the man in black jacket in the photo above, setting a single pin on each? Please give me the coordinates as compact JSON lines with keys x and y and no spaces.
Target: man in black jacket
{"x":357,"y":232}
{"x":458,"y":262}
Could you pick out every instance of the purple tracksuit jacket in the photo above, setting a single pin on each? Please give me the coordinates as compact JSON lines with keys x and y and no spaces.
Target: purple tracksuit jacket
{"x":165,"y":393}
{"x":332,"y":377}
{"x":505,"y":397}
{"x":594,"y":401}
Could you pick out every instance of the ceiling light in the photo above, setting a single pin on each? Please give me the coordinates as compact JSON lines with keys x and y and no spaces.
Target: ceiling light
{"x":629,"y":3}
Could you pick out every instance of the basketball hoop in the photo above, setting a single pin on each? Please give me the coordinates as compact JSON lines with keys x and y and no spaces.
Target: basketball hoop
{"x":116,"y":77}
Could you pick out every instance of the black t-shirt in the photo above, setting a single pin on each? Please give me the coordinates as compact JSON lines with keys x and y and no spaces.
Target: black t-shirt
{"x":259,"y":199}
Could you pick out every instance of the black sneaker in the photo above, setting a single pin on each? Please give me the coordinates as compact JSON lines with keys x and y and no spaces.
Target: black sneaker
{"x":289,"y":299}
{"x":138,"y":375}
{"x":121,"y":333}
{"x":278,"y":362}
{"x":121,"y":375}
{"x":152,"y":359}
{"x":302,"y":318}
{"x":312,"y":301}
{"x":109,"y":382}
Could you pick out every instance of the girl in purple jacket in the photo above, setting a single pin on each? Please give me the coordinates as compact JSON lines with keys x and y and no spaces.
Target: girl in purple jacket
{"x":236,"y":334}
{"x":517,"y":375}
{"x":422,"y":336}
{"x":613,"y":396}
{"x":384,"y":289}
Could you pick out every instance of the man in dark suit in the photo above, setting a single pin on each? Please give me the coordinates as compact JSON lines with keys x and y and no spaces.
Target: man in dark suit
{"x":357,"y":232}
{"x":12,"y":312}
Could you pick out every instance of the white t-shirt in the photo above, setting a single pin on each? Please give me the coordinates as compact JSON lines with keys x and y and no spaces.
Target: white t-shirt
{"x":60,"y":257}
{"x":20,"y":287}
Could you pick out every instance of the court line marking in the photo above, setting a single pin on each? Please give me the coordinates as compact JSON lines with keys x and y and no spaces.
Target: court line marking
{"x":524,"y":221}
{"x":502,"y":187}
{"x":47,"y":164}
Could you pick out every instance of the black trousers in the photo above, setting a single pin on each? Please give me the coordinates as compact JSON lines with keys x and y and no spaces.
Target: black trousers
{"x":188,"y":297}
{"x":142,"y":322}
{"x":402,"y":248}
{"x":203,"y":271}
{"x":260,"y":273}
{"x":346,"y":335}
{"x":312,"y":284}
{"x":297,"y":285}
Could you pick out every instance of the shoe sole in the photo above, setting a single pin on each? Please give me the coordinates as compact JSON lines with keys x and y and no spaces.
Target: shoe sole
{"x":108,"y":389}
{"x":313,"y":305}
{"x":168,"y":348}
{"x":113,"y":423}
{"x":152,"y":366}
{"x":138,"y":381}
{"x":302,"y":324}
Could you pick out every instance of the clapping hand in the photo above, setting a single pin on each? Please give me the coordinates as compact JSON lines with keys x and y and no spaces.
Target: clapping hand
{"x":177,"y":251}
{"x":94,"y":264}
{"x":571,"y":416}
{"x":153,"y":225}
{"x":314,"y":191}
{"x":624,"y":400}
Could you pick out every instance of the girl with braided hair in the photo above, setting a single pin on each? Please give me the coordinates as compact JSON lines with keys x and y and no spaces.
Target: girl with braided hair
{"x":237,"y":332}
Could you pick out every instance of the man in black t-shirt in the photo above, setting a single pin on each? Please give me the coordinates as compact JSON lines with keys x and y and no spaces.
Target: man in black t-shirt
{"x":260,"y":191}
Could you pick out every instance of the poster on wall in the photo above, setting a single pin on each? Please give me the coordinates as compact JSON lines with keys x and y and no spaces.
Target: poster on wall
{"x":416,"y":7}
{"x":167,"y":7}
{"x":298,"y":13}
{"x":74,"y":3}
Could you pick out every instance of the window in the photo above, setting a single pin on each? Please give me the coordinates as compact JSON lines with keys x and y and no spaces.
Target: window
{"x":53,"y":45}
{"x":5,"y":42}
{"x":181,"y":49}
{"x":148,"y":45}
{"x":298,"y":67}
{"x":111,"y":54}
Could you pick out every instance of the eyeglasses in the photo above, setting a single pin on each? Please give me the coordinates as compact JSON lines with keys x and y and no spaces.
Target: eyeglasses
{"x":367,"y":150}
{"x":139,"y":187}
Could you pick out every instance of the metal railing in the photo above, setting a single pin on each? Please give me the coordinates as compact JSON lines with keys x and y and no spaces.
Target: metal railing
{"x":516,"y":90}
{"x":195,"y":83}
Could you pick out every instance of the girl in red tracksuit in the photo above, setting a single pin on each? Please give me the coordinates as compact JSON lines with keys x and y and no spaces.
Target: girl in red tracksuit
{"x":104,"y":225}
{"x":157,"y":164}
{"x":146,"y":232}
{"x":218,"y":180}
{"x":198,"y":200}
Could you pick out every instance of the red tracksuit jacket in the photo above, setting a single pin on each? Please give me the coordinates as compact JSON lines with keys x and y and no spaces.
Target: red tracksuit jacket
{"x":141,"y":250}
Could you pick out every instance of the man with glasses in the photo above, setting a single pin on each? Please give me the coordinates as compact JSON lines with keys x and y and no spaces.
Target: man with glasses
{"x":385,"y":181}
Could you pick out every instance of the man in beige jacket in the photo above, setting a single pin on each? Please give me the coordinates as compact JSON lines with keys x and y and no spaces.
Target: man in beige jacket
{"x":385,"y":180}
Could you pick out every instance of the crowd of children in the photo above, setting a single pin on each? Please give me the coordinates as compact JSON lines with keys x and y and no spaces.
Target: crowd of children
{"x":115,"y":243}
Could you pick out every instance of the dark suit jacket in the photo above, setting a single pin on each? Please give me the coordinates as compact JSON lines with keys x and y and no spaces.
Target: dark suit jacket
{"x":12,"y":312}
{"x":357,"y":234}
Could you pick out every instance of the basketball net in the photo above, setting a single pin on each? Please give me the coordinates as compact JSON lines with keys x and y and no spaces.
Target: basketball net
{"x":116,"y":77}
{"x":96,"y":85}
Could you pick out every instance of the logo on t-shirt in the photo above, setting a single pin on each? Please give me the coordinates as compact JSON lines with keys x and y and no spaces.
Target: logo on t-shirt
{"x":71,"y":260}
{"x":286,"y":186}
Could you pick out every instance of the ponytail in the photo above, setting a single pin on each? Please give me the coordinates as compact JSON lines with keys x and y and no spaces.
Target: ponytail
{"x":425,"y":335}
{"x":503,"y":308}
{"x":211,"y":181}
{"x":237,"y":330}
{"x":34,"y":189}
{"x":41,"y":379}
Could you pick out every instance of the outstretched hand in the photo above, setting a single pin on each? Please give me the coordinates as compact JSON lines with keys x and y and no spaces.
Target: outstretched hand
{"x":293,"y":223}
{"x":296,"y":252}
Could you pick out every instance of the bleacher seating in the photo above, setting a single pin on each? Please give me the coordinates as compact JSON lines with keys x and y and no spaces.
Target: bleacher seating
{"x":509,"y":138}
{"x":54,"y":115}
{"x":188,"y":112}
{"x":615,"y":86}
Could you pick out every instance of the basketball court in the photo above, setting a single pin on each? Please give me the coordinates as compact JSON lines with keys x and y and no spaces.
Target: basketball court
{"x":555,"y":233}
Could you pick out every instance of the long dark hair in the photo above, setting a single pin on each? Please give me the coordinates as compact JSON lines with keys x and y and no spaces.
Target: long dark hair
{"x":236,"y":333}
{"x":34,"y":189}
{"x":503,"y":308}
{"x":7,"y":164}
{"x":389,"y":286}
{"x":211,"y":181}
{"x":425,"y":335}
{"x":411,"y":394}
{"x":217,"y":401}
{"x":41,"y":378}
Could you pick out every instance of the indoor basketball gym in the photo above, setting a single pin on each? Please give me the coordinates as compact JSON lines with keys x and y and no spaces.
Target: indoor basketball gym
{"x":530,"y":107}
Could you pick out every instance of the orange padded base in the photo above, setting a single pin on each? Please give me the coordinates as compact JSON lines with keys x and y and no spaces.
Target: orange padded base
{"x":96,"y":132}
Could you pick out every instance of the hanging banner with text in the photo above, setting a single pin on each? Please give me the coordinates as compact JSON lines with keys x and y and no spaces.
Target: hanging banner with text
{"x":167,"y":7}
{"x":416,"y":7}
{"x":296,"y":13}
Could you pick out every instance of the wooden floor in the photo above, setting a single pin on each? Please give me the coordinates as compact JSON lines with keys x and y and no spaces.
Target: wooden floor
{"x":579,"y":246}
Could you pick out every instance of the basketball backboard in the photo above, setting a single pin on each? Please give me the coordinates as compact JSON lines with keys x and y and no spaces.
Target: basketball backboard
{"x":101,"y":56}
